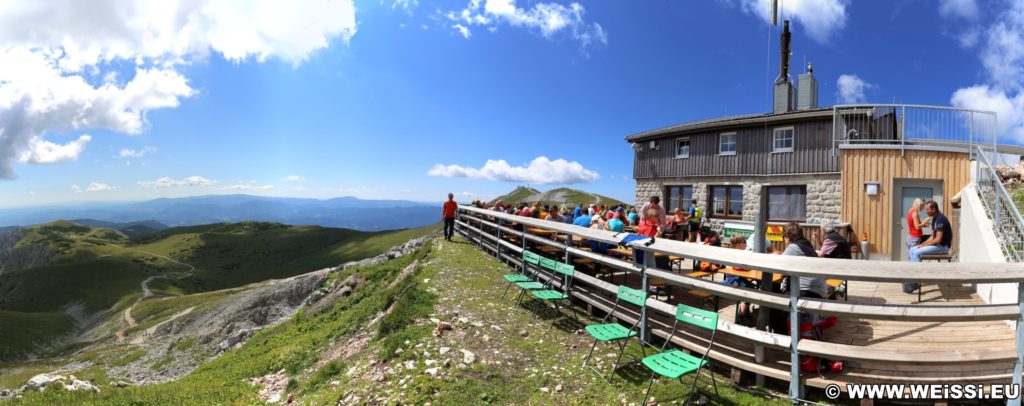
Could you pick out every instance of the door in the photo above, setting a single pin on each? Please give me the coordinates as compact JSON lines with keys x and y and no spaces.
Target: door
{"x":906,"y":190}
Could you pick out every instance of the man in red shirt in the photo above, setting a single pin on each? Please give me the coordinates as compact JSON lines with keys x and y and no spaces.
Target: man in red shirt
{"x":449,"y":217}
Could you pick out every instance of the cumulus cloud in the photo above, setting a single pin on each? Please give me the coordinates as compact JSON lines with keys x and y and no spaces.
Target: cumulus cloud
{"x":821,"y":19}
{"x":99,"y":187}
{"x":40,"y":151}
{"x":293,"y":178}
{"x":965,"y":9}
{"x":547,"y":19}
{"x":76,"y":189}
{"x":1002,"y":57}
{"x":850,"y":89}
{"x":53,"y":55}
{"x":167,"y":182}
{"x":135,"y":153}
{"x":540,"y":170}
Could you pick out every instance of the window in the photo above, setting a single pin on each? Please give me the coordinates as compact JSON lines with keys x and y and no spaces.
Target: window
{"x":683,"y":148}
{"x":727,"y":144}
{"x":678,"y":196}
{"x":787,"y":203}
{"x":782,"y":139}
{"x":727,"y":202}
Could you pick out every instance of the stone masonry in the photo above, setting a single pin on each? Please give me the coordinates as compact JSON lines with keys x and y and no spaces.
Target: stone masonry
{"x":823,"y":193}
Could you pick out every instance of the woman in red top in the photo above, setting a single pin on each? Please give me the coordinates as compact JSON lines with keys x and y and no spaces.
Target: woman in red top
{"x":914,"y":224}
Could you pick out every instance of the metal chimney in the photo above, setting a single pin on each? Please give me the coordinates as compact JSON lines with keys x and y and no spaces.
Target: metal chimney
{"x":807,"y":90}
{"x":783,"y":95}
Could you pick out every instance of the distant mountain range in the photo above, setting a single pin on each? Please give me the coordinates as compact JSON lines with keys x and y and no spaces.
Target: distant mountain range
{"x":344,"y":212}
{"x":561,"y":196}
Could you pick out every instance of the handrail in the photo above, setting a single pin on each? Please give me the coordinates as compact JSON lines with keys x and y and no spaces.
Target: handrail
{"x":988,"y":177}
{"x":877,"y":271}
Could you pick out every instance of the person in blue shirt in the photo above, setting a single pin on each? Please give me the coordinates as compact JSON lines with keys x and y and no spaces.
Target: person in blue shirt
{"x":576,"y":213}
{"x":616,"y":224}
{"x":582,"y":221}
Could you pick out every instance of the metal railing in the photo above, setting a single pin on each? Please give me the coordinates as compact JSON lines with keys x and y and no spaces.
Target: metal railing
{"x":486,"y":228}
{"x":1001,"y":208}
{"x":903,"y":125}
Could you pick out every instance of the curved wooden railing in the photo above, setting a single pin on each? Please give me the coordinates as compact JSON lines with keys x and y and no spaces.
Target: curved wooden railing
{"x":474,"y":221}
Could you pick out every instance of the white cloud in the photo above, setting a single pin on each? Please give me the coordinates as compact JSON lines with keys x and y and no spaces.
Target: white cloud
{"x":76,"y":189}
{"x":822,"y":19}
{"x":407,"y":5}
{"x":850,"y":89}
{"x":133,"y":153}
{"x":53,"y":53}
{"x":548,"y":19}
{"x":167,"y":182}
{"x":99,"y":187}
{"x":468,"y":194}
{"x":462,"y":30}
{"x":1002,"y":57}
{"x":40,"y":151}
{"x":540,"y":170}
{"x":965,"y":9}
{"x":293,"y":178}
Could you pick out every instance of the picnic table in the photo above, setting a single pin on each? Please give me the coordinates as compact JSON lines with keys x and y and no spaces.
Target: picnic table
{"x":541,"y":231}
{"x":750,"y":274}
{"x":576,"y":240}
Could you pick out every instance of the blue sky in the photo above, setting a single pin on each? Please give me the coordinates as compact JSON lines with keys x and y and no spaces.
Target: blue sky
{"x":367,"y":101}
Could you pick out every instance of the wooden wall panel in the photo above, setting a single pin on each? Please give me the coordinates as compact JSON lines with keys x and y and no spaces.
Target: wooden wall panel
{"x":874,"y":214}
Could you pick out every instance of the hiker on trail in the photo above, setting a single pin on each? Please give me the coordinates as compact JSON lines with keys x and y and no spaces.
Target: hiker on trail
{"x":448,"y":215}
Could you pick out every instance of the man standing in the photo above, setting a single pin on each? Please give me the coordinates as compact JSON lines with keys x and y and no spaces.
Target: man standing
{"x":448,"y":214}
{"x":938,"y":243}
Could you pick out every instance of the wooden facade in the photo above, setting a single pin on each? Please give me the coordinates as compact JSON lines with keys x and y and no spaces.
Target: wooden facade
{"x":812,"y":151}
{"x":874,"y":214}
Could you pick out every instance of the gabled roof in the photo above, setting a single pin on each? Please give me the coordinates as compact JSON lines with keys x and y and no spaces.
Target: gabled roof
{"x":731,"y":121}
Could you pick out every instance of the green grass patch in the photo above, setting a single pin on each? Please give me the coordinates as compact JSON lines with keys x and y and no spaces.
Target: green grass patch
{"x":22,"y":331}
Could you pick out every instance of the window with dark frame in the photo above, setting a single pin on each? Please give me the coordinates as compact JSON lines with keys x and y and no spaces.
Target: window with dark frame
{"x":678,"y":196}
{"x":727,"y":144}
{"x":726,"y":201}
{"x":782,"y":139}
{"x":787,"y":203}
{"x":683,"y":147}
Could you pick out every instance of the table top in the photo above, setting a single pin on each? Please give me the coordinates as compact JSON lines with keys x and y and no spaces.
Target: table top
{"x":749,"y":274}
{"x":540,"y":231}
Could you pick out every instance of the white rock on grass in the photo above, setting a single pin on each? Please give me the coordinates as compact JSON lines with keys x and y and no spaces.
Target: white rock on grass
{"x":81,"y":385}
{"x":468,"y":357}
{"x":432,"y":371}
{"x":41,"y":380}
{"x":444,"y":350}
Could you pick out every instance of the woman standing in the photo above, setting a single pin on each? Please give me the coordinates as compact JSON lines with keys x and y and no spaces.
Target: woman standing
{"x":914,"y":224}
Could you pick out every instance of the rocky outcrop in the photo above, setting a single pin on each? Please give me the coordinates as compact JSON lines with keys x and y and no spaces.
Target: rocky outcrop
{"x":43,"y":382}
{"x":14,"y":258}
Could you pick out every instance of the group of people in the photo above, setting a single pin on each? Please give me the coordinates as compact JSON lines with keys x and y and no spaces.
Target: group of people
{"x":598,"y":215}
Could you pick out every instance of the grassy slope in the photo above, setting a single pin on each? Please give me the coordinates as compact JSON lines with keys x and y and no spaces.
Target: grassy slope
{"x":516,"y":195}
{"x":25,"y":330}
{"x":453,"y":280}
{"x":571,"y":196}
{"x":102,"y":270}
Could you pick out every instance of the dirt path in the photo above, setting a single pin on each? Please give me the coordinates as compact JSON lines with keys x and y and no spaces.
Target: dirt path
{"x":127,"y":315}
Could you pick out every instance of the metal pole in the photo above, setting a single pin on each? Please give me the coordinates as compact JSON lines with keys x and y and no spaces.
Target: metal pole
{"x":760,"y":232}
{"x":1019,"y":364}
{"x":568,"y":243}
{"x":794,"y":338}
{"x":497,"y":242}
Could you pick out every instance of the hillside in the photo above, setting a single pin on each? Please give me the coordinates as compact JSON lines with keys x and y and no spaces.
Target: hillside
{"x":562,"y":196}
{"x":92,"y":274}
{"x":379,"y":344}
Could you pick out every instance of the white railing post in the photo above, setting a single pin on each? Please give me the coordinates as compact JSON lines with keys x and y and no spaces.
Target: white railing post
{"x":794,"y":339}
{"x":648,"y":260}
{"x":497,"y":241}
{"x":1018,"y":365}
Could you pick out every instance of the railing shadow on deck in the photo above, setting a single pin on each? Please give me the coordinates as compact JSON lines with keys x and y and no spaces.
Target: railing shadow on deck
{"x":485,"y":229}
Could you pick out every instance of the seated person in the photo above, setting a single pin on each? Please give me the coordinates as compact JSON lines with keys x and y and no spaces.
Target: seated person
{"x":710,"y":238}
{"x":583,"y":221}
{"x":939,"y":242}
{"x":739,"y":242}
{"x":812,"y":287}
{"x":616,"y":224}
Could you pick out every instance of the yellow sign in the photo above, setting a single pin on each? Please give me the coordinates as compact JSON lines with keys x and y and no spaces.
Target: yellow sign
{"x":774,"y":233}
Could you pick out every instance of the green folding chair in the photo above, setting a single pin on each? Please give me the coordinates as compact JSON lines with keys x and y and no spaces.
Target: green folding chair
{"x":615,"y":332}
{"x":676,"y":363}
{"x":555,"y":296}
{"x":529,"y":258}
{"x":532,"y":285}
